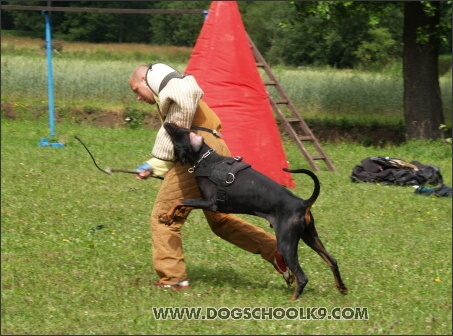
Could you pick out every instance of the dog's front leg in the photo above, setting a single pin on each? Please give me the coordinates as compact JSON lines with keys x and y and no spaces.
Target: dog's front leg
{"x":190,"y":203}
{"x":168,"y":218}
{"x":195,"y":203}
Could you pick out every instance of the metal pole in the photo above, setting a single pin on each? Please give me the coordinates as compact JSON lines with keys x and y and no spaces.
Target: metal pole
{"x":45,"y":141}
{"x":50,"y":76}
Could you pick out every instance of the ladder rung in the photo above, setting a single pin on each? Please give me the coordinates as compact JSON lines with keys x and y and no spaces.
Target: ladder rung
{"x":306,"y":138}
{"x":287,"y":122}
{"x":292,"y":120}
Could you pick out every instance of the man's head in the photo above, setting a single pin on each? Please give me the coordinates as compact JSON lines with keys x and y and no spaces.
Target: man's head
{"x":148,"y":80}
{"x":138,"y":84}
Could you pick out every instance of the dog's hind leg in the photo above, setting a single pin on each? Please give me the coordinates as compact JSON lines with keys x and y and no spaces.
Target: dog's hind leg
{"x":311,"y":238}
{"x":288,"y":243}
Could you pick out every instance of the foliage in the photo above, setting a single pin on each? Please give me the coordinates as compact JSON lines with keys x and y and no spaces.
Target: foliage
{"x":178,"y":30}
{"x":343,"y":34}
{"x":76,"y":252}
{"x":378,"y":51}
{"x":372,"y":24}
{"x":134,"y":117}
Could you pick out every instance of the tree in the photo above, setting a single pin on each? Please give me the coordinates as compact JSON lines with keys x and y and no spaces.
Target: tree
{"x":104,"y":27}
{"x":423,"y":113}
{"x":422,"y":32}
{"x":178,"y":30}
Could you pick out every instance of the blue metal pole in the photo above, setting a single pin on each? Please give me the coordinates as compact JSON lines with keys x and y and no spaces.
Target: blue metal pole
{"x":50,"y":77}
{"x":44,"y":141}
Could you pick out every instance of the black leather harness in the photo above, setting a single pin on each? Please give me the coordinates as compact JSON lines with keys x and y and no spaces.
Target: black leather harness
{"x":223,"y":174}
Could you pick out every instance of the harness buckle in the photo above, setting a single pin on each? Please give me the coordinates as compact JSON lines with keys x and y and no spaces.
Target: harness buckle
{"x":230,"y":178}
{"x":221,"y":196}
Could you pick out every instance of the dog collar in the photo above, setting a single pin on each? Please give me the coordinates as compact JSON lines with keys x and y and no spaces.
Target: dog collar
{"x":205,"y":155}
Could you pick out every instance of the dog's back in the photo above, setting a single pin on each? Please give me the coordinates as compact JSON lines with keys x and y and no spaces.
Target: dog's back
{"x":251,"y":192}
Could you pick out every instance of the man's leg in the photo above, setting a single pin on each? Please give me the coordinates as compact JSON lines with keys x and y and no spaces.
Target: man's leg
{"x":250,"y":238}
{"x":243,"y":234}
{"x":168,"y":257}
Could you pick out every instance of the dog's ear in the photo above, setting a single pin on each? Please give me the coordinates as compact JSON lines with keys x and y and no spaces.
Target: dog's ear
{"x":170,"y":128}
{"x":196,"y":141}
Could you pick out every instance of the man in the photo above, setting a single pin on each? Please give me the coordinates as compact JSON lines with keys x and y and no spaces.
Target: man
{"x":179,"y":100}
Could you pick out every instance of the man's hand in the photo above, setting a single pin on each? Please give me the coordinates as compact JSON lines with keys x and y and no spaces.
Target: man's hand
{"x":144,"y":171}
{"x":153,"y":168}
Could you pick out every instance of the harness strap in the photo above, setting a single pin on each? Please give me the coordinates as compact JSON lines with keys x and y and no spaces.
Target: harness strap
{"x":212,"y":131}
{"x":223,"y":174}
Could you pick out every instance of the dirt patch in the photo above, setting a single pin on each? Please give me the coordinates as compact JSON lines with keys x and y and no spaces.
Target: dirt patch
{"x":365,"y":135}
{"x":112,"y":119}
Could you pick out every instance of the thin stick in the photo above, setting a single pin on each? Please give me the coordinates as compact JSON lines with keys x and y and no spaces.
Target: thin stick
{"x":109,"y":171}
{"x":112,"y":170}
{"x":94,"y":161}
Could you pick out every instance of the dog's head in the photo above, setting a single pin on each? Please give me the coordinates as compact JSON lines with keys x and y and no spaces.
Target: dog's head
{"x":186,"y":143}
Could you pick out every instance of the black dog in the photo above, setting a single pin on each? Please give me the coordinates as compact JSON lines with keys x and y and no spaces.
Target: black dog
{"x":229,"y":185}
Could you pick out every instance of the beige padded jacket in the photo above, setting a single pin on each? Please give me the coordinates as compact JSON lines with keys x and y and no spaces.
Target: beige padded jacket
{"x":177,"y":103}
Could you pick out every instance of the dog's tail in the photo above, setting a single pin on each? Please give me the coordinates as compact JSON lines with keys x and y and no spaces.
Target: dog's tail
{"x":312,"y":199}
{"x":314,"y":196}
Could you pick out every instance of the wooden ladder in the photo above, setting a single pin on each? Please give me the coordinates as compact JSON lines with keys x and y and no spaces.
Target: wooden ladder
{"x":305,"y":135}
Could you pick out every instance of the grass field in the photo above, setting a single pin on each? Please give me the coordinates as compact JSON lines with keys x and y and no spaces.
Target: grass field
{"x":76,"y":253}
{"x":76,"y":246}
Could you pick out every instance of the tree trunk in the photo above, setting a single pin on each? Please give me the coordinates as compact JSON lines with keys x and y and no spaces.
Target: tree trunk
{"x":423,"y":113}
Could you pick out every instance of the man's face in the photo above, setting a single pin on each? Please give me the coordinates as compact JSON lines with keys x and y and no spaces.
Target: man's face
{"x":142,"y":90}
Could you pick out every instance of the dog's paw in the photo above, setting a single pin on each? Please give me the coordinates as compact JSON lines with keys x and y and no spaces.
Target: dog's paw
{"x":165,"y":219}
{"x":343,"y":290}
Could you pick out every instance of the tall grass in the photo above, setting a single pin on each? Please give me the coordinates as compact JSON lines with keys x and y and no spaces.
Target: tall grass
{"x":343,"y":92}
{"x":353,"y":94}
{"x":97,"y":75}
{"x":74,"y":80}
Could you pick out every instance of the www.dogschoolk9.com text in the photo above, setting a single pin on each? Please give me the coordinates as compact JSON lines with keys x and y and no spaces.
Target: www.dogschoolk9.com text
{"x":260,"y":313}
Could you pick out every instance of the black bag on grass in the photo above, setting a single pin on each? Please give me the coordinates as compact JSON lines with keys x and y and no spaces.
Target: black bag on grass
{"x":387,"y":170}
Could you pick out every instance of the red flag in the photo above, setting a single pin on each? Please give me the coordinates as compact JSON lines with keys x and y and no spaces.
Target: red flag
{"x":222,"y":61}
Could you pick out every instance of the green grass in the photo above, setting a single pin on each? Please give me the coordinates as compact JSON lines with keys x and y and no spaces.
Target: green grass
{"x":394,"y":248}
